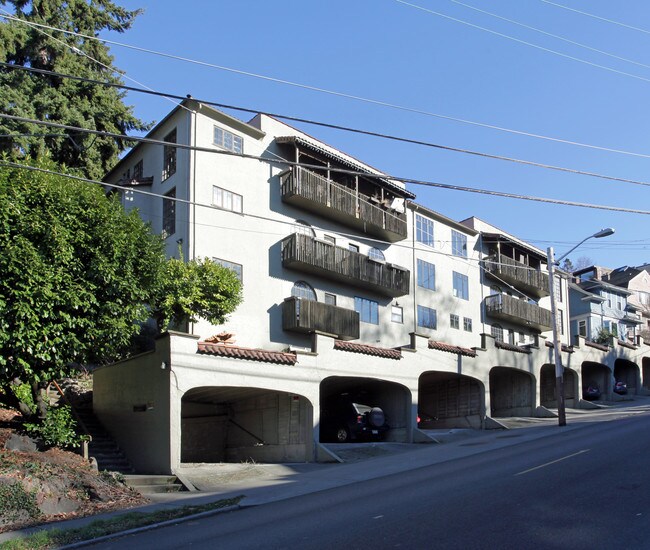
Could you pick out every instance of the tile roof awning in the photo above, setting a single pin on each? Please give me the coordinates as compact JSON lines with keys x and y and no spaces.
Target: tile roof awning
{"x":441,"y":346}
{"x":511,"y":347}
{"x":349,"y":162}
{"x":236,"y":352}
{"x":366,"y":349}
{"x":563,"y":347}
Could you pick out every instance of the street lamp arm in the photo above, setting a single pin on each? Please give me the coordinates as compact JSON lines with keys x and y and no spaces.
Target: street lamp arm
{"x":599,"y":235}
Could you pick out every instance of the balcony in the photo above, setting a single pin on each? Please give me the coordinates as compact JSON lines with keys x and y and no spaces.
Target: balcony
{"x":520,"y":312}
{"x":530,"y":281}
{"x":304,"y":253}
{"x":306,"y":316}
{"x":316,"y":193}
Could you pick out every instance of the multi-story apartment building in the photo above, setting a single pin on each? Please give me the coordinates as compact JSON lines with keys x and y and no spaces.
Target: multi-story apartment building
{"x":351,"y":290}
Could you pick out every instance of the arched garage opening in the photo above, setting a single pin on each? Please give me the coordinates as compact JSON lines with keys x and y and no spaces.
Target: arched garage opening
{"x":596,"y":375}
{"x":547,"y":387}
{"x":235,"y":424}
{"x":645,"y":364}
{"x":512,"y":392}
{"x":627,"y":372}
{"x":338,"y":391}
{"x":448,"y":400}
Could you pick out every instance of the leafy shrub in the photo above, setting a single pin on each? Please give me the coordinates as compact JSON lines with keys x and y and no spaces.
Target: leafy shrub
{"x":57,"y":429}
{"x":24,"y":393}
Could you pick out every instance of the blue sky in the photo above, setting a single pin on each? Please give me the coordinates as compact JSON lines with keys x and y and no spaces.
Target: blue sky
{"x":391,"y":52}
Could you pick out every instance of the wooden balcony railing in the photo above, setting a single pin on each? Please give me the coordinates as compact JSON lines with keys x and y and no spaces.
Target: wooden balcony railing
{"x":514,"y":310}
{"x":308,"y":316}
{"x":307,"y":254}
{"x":525,"y":278}
{"x":325,"y":197}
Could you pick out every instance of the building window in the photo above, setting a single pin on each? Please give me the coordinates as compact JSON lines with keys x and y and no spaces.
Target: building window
{"x":329,"y":239}
{"x":228,"y":140}
{"x":169,"y":155}
{"x":427,"y":317}
{"x":376,"y":254}
{"x":497,"y":332}
{"x":454,"y":321}
{"x":522,"y":338}
{"x":126,"y":176}
{"x":467,"y":324}
{"x":353,"y":248}
{"x":423,"y":230}
{"x":560,"y":321}
{"x":169,"y":214}
{"x":426,"y":274}
{"x":458,"y":244}
{"x":368,"y":310}
{"x":397,"y":314}
{"x":226,"y":199}
{"x":330,"y":299}
{"x":557,"y":289}
{"x":511,"y":337}
{"x":301,"y":289}
{"x":303,"y":228}
{"x":582,"y":328}
{"x":138,"y":170}
{"x":461,"y":286}
{"x":237,"y":268}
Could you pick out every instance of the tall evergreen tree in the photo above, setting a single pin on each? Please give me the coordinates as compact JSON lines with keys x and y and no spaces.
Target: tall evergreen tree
{"x":59,"y":99}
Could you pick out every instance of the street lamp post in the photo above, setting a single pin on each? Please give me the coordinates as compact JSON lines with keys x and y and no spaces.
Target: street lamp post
{"x":559,"y":368}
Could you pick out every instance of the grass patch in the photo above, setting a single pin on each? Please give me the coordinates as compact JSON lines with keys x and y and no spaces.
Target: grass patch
{"x":54,"y":538}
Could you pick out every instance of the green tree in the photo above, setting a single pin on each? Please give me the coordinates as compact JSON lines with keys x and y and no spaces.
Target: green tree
{"x":198,"y":288}
{"x":59,"y":99}
{"x":76,"y":275}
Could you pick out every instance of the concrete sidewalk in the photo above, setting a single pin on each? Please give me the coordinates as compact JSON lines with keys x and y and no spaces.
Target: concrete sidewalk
{"x":265,"y":483}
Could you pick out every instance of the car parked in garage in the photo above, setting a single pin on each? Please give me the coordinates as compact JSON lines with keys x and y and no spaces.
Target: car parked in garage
{"x":343,"y":420}
{"x":591,"y":392}
{"x":620,"y":388}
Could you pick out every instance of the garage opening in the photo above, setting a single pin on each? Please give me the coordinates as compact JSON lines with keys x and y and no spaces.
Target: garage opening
{"x":448,"y":400}
{"x":547,"y":387}
{"x":351,"y":406}
{"x":645,"y":364}
{"x":627,"y":372}
{"x":234,"y":424}
{"x":512,"y":392}
{"x":595,"y":376}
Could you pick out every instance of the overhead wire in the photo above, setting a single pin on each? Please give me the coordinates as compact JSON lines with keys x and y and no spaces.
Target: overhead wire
{"x":338,"y":127}
{"x":339,"y":94}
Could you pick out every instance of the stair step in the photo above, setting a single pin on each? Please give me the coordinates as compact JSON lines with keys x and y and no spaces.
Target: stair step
{"x":156,"y":489}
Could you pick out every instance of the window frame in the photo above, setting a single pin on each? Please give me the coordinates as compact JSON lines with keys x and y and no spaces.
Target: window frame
{"x":302,"y":289}
{"x":454,"y":321}
{"x":169,"y":155}
{"x":460,"y":285}
{"x":467,"y":324}
{"x":458,"y":239}
{"x":226,"y":194}
{"x":425,"y":274}
{"x":424,"y":230}
{"x":367,"y":309}
{"x":169,"y":213}
{"x":429,"y":314}
{"x":227,"y":135}
{"x":329,"y":299}
{"x":397,"y":314}
{"x":233,"y":266}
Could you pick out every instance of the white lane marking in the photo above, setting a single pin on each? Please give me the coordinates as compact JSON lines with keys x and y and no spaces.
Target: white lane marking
{"x":552,"y":462}
{"x":378,"y":517}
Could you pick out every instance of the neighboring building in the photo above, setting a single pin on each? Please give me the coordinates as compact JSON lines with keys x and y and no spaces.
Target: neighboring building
{"x":637,"y":281}
{"x":350,"y":289}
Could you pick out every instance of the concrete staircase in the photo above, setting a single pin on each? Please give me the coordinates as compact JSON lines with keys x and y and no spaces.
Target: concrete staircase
{"x":153,"y":484}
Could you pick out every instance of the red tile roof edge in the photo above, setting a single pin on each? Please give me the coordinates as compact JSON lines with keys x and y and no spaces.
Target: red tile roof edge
{"x":563,"y":347}
{"x":601,"y":347}
{"x":511,"y":347}
{"x":236,"y":352}
{"x":367,"y":349}
{"x":442,"y":346}
{"x":626,"y":344}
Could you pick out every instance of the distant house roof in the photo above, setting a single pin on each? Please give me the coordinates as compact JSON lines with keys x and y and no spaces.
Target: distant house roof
{"x":366,"y":349}
{"x":236,"y":352}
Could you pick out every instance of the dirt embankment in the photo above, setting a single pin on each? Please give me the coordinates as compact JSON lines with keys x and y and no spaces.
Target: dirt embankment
{"x":42,"y":486}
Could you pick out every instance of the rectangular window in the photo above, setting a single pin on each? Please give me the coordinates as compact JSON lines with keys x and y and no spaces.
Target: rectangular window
{"x":368,"y":310}
{"x":467,"y":324}
{"x":397,"y":314}
{"x":461,"y":286}
{"x":330,"y":299}
{"x":329,"y":239}
{"x":522,"y":338}
{"x":582,"y":328}
{"x":424,"y":230}
{"x":560,"y":321}
{"x":454,"y":320}
{"x":458,"y":244}
{"x":169,"y":155}
{"x":226,"y":199}
{"x":169,"y":214}
{"x":427,"y":317}
{"x":237,"y":268}
{"x":557,"y":289}
{"x":228,"y":140}
{"x":426,"y":275}
{"x":353,"y":248}
{"x":138,"y":170}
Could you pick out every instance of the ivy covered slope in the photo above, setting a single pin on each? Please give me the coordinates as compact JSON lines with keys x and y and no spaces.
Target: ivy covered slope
{"x":76,"y":276}
{"x":59,"y":99}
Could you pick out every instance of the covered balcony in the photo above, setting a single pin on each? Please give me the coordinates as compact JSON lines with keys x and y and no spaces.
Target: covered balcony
{"x":304,"y":253}
{"x":530,"y":280}
{"x":520,"y":312}
{"x":307,"y":316}
{"x":371,"y":215}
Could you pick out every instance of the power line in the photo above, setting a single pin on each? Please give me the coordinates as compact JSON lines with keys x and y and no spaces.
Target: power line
{"x":645,"y":31}
{"x":336,"y":126}
{"x":567,"y":40}
{"x":508,"y":37}
{"x":340,"y":94}
{"x":425,"y":183}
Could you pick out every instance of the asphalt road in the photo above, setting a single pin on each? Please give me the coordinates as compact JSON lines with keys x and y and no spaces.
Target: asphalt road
{"x":584,"y":488}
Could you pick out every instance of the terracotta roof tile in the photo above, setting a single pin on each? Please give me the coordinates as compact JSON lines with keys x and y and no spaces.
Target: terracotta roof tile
{"x":597,"y":346}
{"x":451,"y":349}
{"x":236,"y":352}
{"x":510,"y":347}
{"x":366,"y":349}
{"x":626,"y":344}
{"x":563,"y":347}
